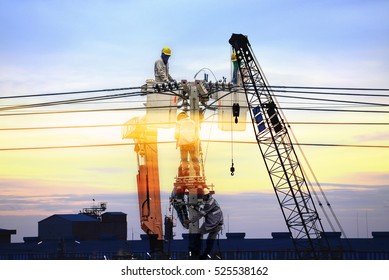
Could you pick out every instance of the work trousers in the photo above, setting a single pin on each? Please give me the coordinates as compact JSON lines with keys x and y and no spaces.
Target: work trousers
{"x":185,"y":152}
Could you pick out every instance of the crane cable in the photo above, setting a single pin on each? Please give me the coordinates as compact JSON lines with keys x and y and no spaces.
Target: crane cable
{"x":295,"y":138}
{"x":314,"y":176}
{"x":232,"y":168}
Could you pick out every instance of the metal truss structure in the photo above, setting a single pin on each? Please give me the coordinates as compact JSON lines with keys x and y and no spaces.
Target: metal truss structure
{"x":280,"y":158}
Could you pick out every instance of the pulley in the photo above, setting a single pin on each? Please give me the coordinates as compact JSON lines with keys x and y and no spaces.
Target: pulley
{"x":235,"y":111}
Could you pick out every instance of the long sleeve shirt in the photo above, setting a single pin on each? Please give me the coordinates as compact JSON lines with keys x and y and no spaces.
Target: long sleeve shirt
{"x":212,"y":213}
{"x":186,"y":132}
{"x":161,"y":71}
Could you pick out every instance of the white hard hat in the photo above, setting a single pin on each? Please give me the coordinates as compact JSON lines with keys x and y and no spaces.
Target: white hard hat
{"x":206,"y":191}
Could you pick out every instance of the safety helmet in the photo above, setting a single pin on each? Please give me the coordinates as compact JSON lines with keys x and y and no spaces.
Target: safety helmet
{"x":205,"y":191}
{"x":233,"y":57}
{"x":182,"y":115}
{"x":167,"y":51}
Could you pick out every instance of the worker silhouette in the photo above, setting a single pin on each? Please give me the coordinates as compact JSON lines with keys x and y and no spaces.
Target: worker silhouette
{"x":213,"y":221}
{"x":161,"y":67}
{"x":177,"y":199}
{"x":236,"y":78}
{"x":186,"y":135}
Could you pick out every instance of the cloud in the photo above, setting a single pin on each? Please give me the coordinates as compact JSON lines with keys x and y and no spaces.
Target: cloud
{"x":377,"y":136}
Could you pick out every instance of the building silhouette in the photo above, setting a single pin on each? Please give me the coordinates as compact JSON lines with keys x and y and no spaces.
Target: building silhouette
{"x":86,"y":236}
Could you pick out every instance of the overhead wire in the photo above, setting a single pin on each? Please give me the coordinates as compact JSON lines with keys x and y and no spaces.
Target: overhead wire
{"x":334,"y":100}
{"x":172,"y":142}
{"x":71,"y":101}
{"x":166,"y":107}
{"x":209,"y":106}
{"x":67,"y":93}
{"x":332,"y":93}
{"x":170,"y":123}
{"x":85,"y":111}
{"x":332,"y":88}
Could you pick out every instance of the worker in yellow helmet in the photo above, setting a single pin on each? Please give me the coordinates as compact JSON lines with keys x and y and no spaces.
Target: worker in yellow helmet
{"x":161,"y":66}
{"x":235,"y":69}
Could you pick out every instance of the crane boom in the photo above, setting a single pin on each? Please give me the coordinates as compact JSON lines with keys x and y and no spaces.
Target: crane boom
{"x":280,"y":158}
{"x":145,"y":138}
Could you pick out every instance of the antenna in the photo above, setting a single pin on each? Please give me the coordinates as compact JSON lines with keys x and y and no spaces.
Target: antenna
{"x":95,"y":210}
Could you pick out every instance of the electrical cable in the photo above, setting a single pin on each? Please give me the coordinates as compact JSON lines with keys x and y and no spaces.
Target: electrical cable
{"x":68,"y":93}
{"x":332,"y":88}
{"x":71,"y":101}
{"x":85,"y":111}
{"x":334,"y":100}
{"x":170,"y":123}
{"x":332,"y":93}
{"x":138,"y":87}
{"x":172,"y":142}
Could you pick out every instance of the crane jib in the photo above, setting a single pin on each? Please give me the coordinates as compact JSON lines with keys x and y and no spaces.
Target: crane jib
{"x":282,"y":164}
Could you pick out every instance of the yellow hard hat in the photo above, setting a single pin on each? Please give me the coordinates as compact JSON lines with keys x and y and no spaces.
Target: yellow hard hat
{"x":167,"y":51}
{"x":233,"y":57}
{"x":182,"y":115}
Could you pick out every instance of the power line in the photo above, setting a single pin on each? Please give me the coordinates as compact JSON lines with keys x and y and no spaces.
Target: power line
{"x":71,"y":101}
{"x":68,"y":93}
{"x":172,"y":142}
{"x":335,"y":110}
{"x":333,"y":93}
{"x":167,"y":123}
{"x":60,"y":127}
{"x":167,"y":107}
{"x":132,"y":94}
{"x":340,"y":123}
{"x":138,"y":87}
{"x":334,"y":100}
{"x":308,"y":144}
{"x":333,"y":88}
{"x":85,"y":111}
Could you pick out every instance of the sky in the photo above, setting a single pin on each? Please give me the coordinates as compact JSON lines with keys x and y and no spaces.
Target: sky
{"x":62,"y":46}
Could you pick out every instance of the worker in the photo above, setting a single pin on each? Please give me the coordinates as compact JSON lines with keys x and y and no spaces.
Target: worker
{"x":161,"y":67}
{"x":213,"y":221}
{"x":235,"y":69}
{"x":186,"y":134}
{"x":177,"y":199}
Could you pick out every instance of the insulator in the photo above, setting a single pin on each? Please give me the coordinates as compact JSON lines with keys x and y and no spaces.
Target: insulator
{"x":210,"y":86}
{"x":157,"y":88}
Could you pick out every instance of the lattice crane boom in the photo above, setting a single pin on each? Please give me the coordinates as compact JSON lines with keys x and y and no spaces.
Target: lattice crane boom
{"x":280,"y":158}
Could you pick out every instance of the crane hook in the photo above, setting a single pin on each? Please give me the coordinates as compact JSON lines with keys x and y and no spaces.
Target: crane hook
{"x":232,"y":169}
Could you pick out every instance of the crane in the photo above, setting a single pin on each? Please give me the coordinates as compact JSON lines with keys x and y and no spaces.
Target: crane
{"x":284,"y":169}
{"x":144,"y":132}
{"x":145,"y":138}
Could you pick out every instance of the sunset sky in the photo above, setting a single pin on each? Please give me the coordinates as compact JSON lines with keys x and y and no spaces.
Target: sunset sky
{"x":64,"y":46}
